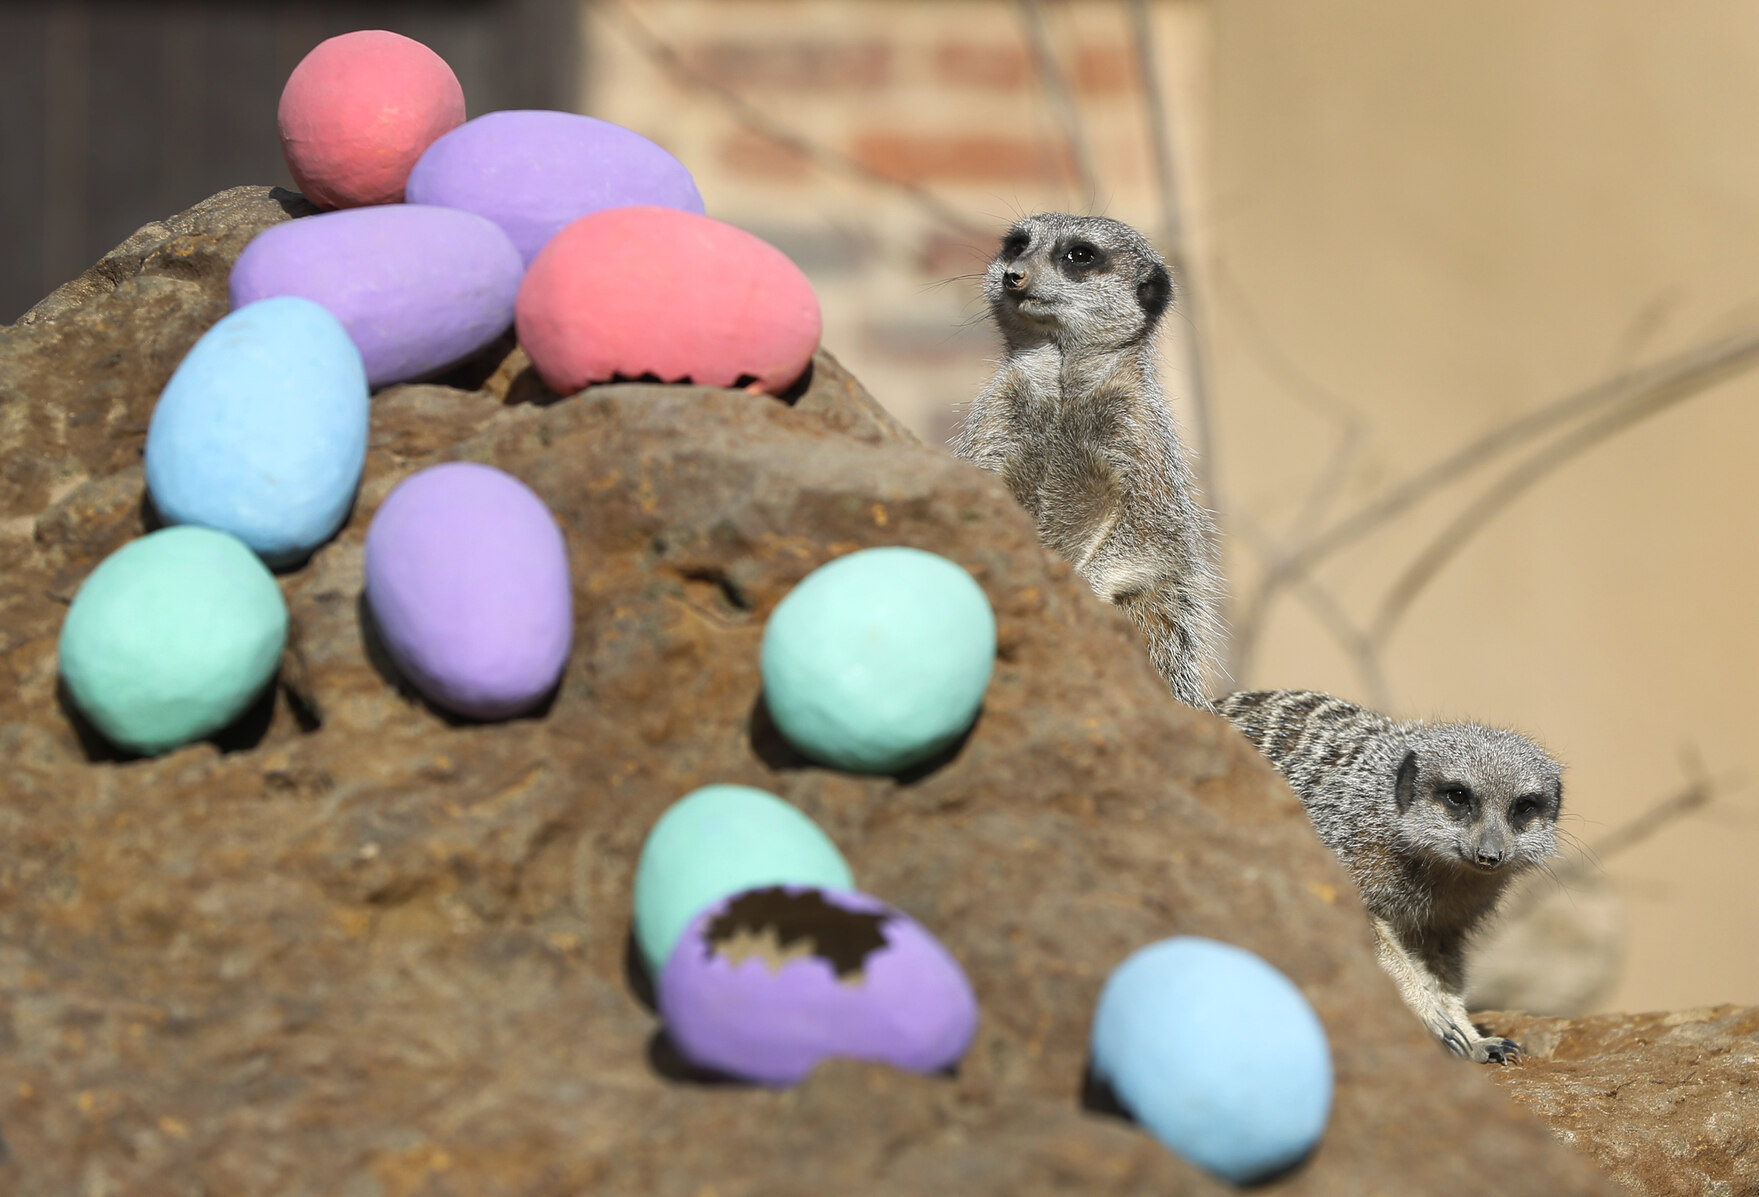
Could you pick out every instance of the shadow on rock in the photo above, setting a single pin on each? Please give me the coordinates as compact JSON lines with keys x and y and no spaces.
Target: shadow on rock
{"x":241,"y":735}
{"x":635,"y":973}
{"x":664,"y":1058}
{"x":773,"y":748}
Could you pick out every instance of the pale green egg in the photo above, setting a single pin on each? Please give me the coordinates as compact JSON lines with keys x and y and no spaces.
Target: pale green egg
{"x":718,"y":841}
{"x":879,"y":660}
{"x":171,"y":637}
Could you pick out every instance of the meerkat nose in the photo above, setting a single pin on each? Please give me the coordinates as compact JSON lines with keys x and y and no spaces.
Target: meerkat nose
{"x":1489,"y":859}
{"x":1015,"y":279}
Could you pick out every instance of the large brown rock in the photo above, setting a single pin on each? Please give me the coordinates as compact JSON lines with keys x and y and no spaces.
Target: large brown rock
{"x":1667,"y":1103}
{"x":358,"y":948}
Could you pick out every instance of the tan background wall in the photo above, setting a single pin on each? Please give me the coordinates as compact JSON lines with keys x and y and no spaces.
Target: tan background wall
{"x":1416,"y":221}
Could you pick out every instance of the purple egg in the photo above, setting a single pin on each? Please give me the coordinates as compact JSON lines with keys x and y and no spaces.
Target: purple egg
{"x":531,"y":172}
{"x":765,"y":984}
{"x":467,"y":579}
{"x":418,"y":288}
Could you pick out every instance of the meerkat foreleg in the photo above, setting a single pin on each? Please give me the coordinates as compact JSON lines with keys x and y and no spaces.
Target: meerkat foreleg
{"x":1167,"y":622}
{"x":1441,"y":1011}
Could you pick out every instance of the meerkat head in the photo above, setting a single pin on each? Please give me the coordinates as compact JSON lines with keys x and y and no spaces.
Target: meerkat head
{"x":1081,"y":281}
{"x":1477,"y":797}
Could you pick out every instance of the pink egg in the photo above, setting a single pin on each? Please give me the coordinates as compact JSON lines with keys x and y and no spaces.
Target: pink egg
{"x":359,"y":110}
{"x":636,"y":291}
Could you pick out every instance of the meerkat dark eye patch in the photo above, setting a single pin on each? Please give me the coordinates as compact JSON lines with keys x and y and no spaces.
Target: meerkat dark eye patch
{"x":1081,"y":258}
{"x":1014,"y":244}
{"x":1454,"y":796}
{"x":1155,"y":292}
{"x":1526,"y":806}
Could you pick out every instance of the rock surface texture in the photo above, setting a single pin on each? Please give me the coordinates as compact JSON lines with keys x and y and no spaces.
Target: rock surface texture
{"x":1667,"y":1103}
{"x":356,"y":947}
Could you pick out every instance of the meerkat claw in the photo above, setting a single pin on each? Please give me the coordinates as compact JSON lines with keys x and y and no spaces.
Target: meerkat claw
{"x":1498,"y":1051}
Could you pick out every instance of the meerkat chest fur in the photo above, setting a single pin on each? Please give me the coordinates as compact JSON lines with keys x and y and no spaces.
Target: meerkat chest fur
{"x":1076,"y":423}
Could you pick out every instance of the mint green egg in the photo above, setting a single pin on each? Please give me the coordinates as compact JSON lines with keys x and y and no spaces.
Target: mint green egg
{"x":879,"y":660}
{"x":171,"y":637}
{"x":717,"y":841}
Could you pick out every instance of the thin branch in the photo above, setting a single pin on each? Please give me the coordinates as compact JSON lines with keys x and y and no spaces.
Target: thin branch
{"x":1178,"y":255}
{"x":1694,"y":369}
{"x":1328,"y":486}
{"x":664,"y":56}
{"x":1672,"y":382}
{"x":1699,"y":791}
{"x":1160,"y":130}
{"x":1062,"y":101}
{"x":1273,"y":359}
{"x":1325,"y":607}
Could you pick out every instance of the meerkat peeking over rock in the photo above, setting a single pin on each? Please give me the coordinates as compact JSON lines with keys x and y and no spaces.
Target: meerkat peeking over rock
{"x":1433,"y":820}
{"x":1077,"y":424}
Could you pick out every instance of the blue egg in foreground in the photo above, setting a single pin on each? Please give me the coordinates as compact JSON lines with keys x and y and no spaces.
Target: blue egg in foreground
{"x":879,"y":660}
{"x":261,"y":432}
{"x":718,"y":841}
{"x":1217,"y":1054}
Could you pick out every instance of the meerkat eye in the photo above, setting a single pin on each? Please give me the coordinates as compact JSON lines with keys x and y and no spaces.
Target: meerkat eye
{"x":1526,"y":805}
{"x":1081,"y":254}
{"x":1014,"y":245}
{"x":1458,"y":797}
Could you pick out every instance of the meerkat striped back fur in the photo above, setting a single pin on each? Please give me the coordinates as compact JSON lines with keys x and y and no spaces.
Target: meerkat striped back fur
{"x":1432,"y":820}
{"x":1076,"y":423}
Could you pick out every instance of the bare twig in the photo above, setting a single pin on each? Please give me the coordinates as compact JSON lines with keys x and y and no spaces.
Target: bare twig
{"x":664,"y":56}
{"x":1325,"y":607}
{"x":1160,"y":130}
{"x":1178,"y":254}
{"x":1663,"y":386}
{"x":1693,"y":370}
{"x":1699,"y":791}
{"x":1056,"y":87}
{"x":1328,"y":485}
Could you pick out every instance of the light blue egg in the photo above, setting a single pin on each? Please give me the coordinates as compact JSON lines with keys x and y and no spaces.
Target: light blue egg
{"x":718,"y":841}
{"x":879,"y":660}
{"x":262,"y":430}
{"x":1217,"y":1053}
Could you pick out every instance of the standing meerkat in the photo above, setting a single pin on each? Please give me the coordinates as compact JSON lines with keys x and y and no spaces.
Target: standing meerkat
{"x":1076,"y":423}
{"x":1432,"y":820}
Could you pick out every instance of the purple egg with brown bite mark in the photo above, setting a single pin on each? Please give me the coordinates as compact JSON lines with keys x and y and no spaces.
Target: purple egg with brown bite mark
{"x":467,"y":580}
{"x":765,"y":984}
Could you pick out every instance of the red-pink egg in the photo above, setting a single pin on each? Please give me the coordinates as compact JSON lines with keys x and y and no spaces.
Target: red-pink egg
{"x":636,"y":291}
{"x":359,"y":110}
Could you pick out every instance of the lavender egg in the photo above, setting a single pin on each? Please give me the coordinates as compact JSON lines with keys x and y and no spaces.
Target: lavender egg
{"x":418,"y":288}
{"x":765,"y":984}
{"x":467,"y":582}
{"x":531,"y":172}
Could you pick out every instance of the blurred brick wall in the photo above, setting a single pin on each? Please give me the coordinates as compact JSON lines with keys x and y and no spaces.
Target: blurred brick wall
{"x":930,"y":129}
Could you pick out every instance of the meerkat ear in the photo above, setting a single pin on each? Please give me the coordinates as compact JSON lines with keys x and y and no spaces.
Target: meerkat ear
{"x":1155,"y":292}
{"x":1405,"y":788}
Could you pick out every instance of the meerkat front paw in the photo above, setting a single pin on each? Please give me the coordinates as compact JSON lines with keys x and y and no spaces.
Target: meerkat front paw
{"x":1497,"y":1051}
{"x":1457,"y":1041}
{"x":1467,"y":1042}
